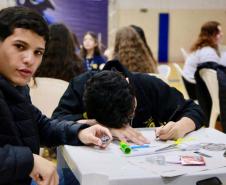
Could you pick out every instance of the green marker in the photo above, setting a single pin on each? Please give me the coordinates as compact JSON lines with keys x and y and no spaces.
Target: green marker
{"x":125,"y":147}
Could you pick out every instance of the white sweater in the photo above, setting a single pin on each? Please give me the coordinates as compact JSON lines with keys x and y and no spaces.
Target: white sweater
{"x":223,"y":58}
{"x":205,"y":54}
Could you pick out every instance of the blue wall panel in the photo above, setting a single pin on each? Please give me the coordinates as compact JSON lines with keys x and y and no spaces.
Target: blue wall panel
{"x":163,"y":37}
{"x":79,"y":15}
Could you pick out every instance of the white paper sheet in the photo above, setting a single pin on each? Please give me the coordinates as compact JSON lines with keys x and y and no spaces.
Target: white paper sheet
{"x":141,"y":158}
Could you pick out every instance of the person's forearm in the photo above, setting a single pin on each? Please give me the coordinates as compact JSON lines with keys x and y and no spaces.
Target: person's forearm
{"x":87,"y":121}
{"x":186,"y":125}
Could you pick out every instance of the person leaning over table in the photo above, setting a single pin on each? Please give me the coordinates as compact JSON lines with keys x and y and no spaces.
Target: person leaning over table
{"x":23,"y":39}
{"x":122,"y":101}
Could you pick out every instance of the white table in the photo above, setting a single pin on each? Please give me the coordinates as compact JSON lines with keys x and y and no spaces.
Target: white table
{"x":107,"y":167}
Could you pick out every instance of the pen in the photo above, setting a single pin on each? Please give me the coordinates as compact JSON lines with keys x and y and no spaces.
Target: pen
{"x":202,"y":154}
{"x":139,"y":146}
{"x":170,"y":118}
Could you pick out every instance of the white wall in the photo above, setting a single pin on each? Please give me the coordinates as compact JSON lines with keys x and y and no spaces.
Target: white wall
{"x":186,"y":18}
{"x":172,"y":4}
{"x":6,"y":3}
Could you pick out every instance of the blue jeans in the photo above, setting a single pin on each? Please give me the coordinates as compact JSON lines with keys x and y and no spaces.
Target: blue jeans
{"x":69,"y":178}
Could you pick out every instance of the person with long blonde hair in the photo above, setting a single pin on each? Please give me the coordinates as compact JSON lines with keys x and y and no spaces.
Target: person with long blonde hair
{"x":141,"y":33}
{"x":131,"y":51}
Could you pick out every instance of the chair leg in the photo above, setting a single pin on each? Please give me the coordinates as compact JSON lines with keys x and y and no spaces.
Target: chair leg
{"x":213,"y":118}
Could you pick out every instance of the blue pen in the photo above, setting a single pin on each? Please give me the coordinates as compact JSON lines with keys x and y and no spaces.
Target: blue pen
{"x":139,"y":146}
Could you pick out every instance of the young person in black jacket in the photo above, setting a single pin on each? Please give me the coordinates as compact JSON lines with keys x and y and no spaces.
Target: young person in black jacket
{"x":122,"y":101}
{"x":23,"y":39}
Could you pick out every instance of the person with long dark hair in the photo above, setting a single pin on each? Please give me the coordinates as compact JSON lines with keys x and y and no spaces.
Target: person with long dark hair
{"x":60,"y":60}
{"x":91,"y":53}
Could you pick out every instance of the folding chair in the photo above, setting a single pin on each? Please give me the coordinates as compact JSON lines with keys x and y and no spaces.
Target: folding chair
{"x":179,"y":74}
{"x":209,"y":76}
{"x":47,"y":93}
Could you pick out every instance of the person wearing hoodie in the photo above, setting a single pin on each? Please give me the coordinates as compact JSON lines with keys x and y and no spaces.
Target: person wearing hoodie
{"x":122,"y":101}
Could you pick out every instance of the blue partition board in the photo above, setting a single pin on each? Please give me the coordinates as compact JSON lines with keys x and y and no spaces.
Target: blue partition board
{"x":79,"y":15}
{"x":163,"y":37}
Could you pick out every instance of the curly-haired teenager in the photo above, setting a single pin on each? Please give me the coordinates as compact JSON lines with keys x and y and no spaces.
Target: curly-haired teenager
{"x":23,"y":39}
{"x":131,"y":51}
{"x":205,"y":49}
{"x":122,"y":101}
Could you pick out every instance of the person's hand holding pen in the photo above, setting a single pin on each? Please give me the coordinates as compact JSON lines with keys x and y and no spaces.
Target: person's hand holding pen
{"x":175,"y":130}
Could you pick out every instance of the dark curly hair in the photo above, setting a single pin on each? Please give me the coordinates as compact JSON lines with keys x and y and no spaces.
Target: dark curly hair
{"x":22,"y":17}
{"x":109,"y":99}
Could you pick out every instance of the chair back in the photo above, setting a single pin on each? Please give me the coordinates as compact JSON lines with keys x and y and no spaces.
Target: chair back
{"x":47,"y":93}
{"x":209,"y":76}
{"x":164,"y":70}
{"x":184,"y":53}
{"x":179,"y":74}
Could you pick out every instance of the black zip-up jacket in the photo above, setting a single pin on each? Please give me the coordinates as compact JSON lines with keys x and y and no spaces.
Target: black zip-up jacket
{"x":22,"y":129}
{"x":156,"y":101}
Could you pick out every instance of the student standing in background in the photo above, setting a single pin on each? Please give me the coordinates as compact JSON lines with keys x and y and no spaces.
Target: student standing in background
{"x":90,"y":53}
